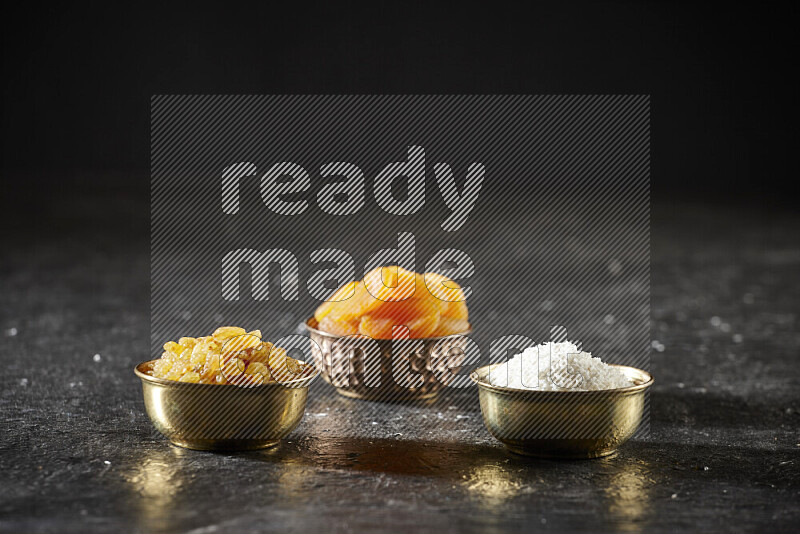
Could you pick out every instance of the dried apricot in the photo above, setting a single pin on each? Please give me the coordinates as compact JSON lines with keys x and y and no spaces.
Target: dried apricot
{"x":443,"y":288}
{"x":421,"y":316}
{"x":457,"y":310}
{"x":345,"y":292}
{"x":350,"y":309}
{"x":448,"y":326}
{"x":392,"y":296}
{"x":391,"y":283}
{"x":338,"y":328}
{"x":449,"y":293}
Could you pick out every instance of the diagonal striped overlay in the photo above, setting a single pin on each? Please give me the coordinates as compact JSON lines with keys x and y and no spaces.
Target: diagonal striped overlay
{"x":558,"y":235}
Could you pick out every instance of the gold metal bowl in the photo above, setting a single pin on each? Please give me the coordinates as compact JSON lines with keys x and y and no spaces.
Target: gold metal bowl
{"x":223,"y":416}
{"x":562,"y":424}
{"x":383,"y":370}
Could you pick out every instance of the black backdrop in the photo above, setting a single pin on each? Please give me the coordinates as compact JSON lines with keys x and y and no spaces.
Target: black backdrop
{"x":78,"y":78}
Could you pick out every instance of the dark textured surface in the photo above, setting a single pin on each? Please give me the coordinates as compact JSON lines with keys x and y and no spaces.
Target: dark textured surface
{"x":79,"y":454}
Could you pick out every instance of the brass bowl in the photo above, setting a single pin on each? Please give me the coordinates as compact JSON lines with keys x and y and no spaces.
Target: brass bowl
{"x":223,"y":416}
{"x":562,"y":424}
{"x":382,"y":370}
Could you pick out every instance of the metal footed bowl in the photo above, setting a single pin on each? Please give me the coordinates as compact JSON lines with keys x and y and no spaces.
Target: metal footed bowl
{"x":563,"y":424}
{"x":383,"y":370}
{"x":223,"y":417}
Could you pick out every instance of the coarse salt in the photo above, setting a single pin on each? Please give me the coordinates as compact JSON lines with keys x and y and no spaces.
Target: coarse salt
{"x":557,"y":367}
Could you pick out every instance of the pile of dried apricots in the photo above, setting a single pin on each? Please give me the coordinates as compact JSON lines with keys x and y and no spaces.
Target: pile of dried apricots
{"x":429,"y":305}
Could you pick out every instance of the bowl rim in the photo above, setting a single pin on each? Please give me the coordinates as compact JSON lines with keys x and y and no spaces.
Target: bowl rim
{"x":473,"y":375}
{"x":314,"y":330}
{"x":294,"y":384}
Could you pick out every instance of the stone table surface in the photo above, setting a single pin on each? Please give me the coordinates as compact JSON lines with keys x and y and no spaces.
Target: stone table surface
{"x":80,"y":455}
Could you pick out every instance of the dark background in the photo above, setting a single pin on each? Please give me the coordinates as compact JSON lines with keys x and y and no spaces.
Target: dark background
{"x":78,"y":78}
{"x":77,"y":451}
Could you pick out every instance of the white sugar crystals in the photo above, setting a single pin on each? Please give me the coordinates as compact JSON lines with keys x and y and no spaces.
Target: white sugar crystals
{"x":557,"y":367}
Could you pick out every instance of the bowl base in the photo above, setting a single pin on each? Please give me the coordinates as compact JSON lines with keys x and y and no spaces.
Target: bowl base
{"x":560,"y":455}
{"x":224,"y":444}
{"x":387,"y":397}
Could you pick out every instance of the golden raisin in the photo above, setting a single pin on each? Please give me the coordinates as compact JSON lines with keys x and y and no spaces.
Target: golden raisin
{"x":230,"y":355}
